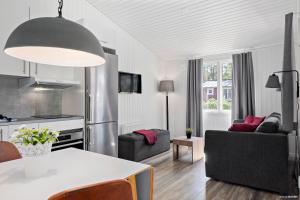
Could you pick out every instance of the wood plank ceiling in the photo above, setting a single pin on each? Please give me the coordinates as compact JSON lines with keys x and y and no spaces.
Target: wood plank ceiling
{"x":176,"y":29}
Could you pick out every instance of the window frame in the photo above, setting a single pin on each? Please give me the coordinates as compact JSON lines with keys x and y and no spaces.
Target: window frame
{"x":219,"y":63}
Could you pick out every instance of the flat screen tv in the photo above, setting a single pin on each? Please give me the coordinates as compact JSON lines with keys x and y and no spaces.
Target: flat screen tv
{"x":130,"y":83}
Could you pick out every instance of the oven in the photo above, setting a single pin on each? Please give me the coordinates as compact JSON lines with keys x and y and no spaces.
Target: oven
{"x":69,"y":138}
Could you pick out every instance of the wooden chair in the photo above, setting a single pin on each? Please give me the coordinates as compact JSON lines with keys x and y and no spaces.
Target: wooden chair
{"x":112,"y":190}
{"x":8,"y":152}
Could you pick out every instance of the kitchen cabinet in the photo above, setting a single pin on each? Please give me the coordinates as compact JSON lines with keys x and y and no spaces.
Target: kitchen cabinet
{"x":7,"y":131}
{"x":43,"y":8}
{"x":3,"y":133}
{"x":63,"y":125}
{"x":12,"y":14}
{"x":14,"y":128}
{"x":46,"y":8}
{"x":42,"y":71}
{"x":106,"y":34}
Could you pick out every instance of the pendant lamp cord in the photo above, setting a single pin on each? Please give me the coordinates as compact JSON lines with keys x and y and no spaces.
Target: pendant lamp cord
{"x":60,"y":6}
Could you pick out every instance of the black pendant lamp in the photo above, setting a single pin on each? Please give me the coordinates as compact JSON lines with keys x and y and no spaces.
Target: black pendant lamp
{"x":55,"y":41}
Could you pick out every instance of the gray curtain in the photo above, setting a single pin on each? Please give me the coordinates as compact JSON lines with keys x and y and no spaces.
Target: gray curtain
{"x":194,"y":97}
{"x":243,"y":98}
{"x":287,"y":98}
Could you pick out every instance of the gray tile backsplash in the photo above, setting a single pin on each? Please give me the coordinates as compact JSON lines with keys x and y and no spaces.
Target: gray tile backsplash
{"x":25,"y":102}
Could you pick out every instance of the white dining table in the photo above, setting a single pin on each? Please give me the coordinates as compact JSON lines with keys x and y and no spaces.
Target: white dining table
{"x":68,"y":168}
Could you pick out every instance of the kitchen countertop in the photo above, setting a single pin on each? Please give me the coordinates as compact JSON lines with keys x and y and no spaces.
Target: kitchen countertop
{"x":31,"y":120}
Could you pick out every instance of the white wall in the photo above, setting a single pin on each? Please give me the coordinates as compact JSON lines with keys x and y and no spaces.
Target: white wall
{"x":265,"y":62}
{"x":144,"y":110}
{"x":177,"y":71}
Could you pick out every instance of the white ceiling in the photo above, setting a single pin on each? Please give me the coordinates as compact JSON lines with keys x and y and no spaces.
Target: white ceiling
{"x":176,"y":29}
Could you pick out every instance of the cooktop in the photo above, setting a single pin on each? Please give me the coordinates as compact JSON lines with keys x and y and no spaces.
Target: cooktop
{"x":53,"y":116}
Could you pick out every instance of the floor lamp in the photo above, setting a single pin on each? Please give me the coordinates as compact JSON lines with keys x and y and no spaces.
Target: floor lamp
{"x":167,"y":86}
{"x":273,"y":82}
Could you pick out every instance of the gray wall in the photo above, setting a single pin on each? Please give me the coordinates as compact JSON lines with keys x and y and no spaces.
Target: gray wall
{"x":24,"y":102}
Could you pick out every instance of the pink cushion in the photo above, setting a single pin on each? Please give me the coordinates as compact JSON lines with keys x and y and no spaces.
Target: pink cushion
{"x":243,"y":127}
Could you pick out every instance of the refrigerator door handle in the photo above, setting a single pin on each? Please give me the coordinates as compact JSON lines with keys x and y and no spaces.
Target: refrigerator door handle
{"x":88,"y":137}
{"x":91,"y":143}
{"x":88,"y":134}
{"x":88,"y":108}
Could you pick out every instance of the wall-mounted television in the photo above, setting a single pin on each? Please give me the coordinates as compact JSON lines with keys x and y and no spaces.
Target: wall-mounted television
{"x":130,"y":83}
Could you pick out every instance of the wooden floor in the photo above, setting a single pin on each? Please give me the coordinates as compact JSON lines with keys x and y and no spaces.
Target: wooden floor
{"x":181,"y":180}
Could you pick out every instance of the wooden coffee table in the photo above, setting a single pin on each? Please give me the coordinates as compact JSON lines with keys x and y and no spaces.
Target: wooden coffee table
{"x":196,"y":143}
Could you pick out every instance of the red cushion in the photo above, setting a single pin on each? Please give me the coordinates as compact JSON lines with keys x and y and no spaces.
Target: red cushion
{"x":243,"y":127}
{"x":257,"y":120}
{"x":249,"y":119}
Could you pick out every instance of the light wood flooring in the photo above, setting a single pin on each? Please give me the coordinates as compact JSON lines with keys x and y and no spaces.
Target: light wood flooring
{"x":181,"y":180}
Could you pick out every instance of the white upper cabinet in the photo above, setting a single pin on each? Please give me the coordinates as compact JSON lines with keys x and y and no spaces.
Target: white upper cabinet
{"x":43,"y":8}
{"x":12,"y":14}
{"x":48,"y":8}
{"x":85,"y":14}
{"x":42,"y":71}
{"x":104,"y":33}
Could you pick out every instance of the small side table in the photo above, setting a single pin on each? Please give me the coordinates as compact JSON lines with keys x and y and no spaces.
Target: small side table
{"x":195,"y":142}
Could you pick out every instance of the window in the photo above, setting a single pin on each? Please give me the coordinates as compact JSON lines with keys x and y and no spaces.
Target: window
{"x":217,"y":85}
{"x":210,"y":91}
{"x":226,"y":84}
{"x":227,"y":94}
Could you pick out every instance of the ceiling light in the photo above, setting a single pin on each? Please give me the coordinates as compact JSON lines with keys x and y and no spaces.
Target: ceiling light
{"x":55,"y":41}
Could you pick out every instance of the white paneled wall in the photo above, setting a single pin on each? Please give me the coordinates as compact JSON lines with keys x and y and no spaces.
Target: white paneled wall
{"x":144,"y":109}
{"x":265,"y":62}
{"x":177,"y":71}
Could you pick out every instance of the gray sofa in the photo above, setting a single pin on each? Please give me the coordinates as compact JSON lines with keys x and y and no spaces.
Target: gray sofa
{"x":255,"y":159}
{"x":133,"y":147}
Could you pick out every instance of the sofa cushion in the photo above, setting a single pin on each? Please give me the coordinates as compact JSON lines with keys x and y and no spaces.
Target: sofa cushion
{"x":250,"y":119}
{"x":271,"y":124}
{"x":242,"y":127}
{"x":258,"y":120}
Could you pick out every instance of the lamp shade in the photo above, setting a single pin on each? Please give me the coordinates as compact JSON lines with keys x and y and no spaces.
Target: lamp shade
{"x":166,"y":86}
{"x":273,"y":82}
{"x":55,"y":41}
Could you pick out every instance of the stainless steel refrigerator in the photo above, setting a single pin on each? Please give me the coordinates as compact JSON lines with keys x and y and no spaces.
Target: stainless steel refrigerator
{"x":101,"y":89}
